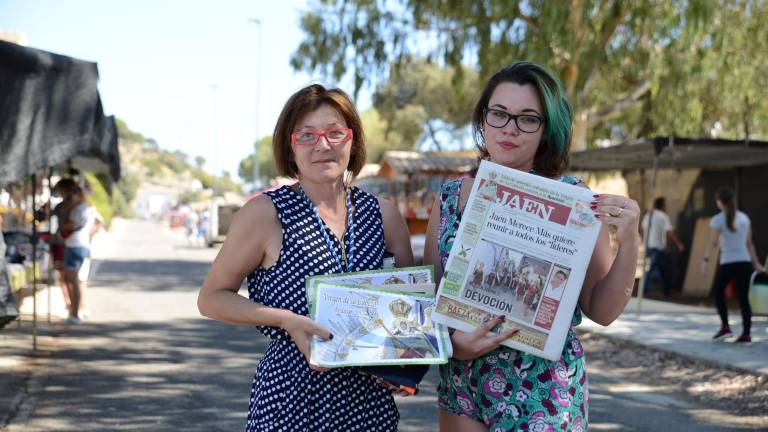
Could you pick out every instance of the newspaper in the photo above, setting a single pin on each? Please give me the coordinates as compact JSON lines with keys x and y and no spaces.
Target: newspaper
{"x":372,"y":327}
{"x":522,"y":250}
{"x":415,"y":280}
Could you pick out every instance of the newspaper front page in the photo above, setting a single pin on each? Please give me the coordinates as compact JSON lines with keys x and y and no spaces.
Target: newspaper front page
{"x":375,"y":327}
{"x":522,"y":250}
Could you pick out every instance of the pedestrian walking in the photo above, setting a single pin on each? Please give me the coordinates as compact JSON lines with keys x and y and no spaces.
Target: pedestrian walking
{"x":732,"y":232}
{"x":319,"y":225}
{"x":523,"y":121}
{"x":657,"y":229}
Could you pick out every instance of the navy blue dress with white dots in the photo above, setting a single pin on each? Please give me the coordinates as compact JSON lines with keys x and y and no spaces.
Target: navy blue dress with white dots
{"x":286,"y":394}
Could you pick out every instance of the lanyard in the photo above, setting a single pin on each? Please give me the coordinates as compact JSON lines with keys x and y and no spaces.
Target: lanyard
{"x":346,"y":255}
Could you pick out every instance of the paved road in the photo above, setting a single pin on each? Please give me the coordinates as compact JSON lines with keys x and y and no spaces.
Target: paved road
{"x":148,"y":362}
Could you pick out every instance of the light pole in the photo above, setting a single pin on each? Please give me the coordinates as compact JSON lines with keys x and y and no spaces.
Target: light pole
{"x":256,"y":179}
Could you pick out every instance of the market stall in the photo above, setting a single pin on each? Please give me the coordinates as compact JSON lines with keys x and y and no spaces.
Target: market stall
{"x":51,"y":119}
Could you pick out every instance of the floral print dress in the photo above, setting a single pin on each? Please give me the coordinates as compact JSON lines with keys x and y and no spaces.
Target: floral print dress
{"x":506,"y":389}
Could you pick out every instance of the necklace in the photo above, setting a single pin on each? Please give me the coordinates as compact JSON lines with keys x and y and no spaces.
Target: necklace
{"x":345,"y":263}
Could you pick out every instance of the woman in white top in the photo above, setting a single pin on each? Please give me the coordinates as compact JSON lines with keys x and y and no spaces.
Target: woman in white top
{"x":731,"y":229}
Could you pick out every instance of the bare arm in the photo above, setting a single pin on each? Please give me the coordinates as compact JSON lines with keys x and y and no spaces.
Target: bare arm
{"x":712,"y":245}
{"x":431,"y":247}
{"x":673,"y":238}
{"x":609,"y":280}
{"x":251,"y":241}
{"x":396,"y":235}
{"x":753,"y":252}
{"x":242,"y":252}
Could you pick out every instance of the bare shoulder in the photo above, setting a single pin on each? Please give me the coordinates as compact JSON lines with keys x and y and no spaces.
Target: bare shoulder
{"x":464,"y":191}
{"x":259,"y":212}
{"x":259,"y":209}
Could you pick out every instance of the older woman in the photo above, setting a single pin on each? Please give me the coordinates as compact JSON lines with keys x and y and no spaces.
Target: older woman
{"x":523,"y":121}
{"x":317,"y":226}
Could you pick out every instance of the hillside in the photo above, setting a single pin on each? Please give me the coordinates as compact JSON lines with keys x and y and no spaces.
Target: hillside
{"x":155,"y":180}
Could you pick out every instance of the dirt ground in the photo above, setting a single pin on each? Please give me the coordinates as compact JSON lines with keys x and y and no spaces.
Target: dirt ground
{"x":735,"y":391}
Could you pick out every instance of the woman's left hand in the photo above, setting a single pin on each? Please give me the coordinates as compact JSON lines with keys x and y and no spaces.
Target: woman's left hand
{"x":620,"y":211}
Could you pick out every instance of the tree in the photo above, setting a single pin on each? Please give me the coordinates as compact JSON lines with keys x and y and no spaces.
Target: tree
{"x":125,"y":133}
{"x":622,"y":62}
{"x":423,"y":104}
{"x":199,"y":161}
{"x":151,"y":144}
{"x":267,"y":168}
{"x":379,"y":139}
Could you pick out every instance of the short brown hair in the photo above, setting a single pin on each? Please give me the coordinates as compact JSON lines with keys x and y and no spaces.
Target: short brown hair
{"x":304,"y":102}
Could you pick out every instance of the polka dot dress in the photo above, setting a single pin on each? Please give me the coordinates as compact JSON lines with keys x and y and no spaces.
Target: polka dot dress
{"x":286,"y":394}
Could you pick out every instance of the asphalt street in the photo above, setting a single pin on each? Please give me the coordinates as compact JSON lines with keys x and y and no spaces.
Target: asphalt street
{"x":146,"y":360}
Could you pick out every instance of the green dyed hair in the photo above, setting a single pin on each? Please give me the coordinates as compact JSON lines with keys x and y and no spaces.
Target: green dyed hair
{"x":551,"y":158}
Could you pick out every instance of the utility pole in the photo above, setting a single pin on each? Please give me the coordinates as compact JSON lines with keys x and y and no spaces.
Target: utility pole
{"x":256,"y":179}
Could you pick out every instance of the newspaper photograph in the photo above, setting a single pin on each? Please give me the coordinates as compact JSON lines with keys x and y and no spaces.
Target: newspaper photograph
{"x":522,"y":251}
{"x":373,"y":327}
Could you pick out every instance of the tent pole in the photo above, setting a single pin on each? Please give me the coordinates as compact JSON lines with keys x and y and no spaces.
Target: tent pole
{"x":646,"y":237}
{"x":50,"y":259}
{"x":34,"y":265}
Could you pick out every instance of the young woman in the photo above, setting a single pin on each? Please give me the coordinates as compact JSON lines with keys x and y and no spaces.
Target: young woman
{"x":523,"y":121}
{"x":732,"y":231}
{"x":317,"y":226}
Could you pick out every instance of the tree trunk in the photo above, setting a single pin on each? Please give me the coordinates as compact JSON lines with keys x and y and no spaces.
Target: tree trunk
{"x":580,"y":129}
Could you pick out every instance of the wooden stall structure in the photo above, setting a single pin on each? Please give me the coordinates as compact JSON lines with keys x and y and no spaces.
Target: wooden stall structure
{"x":412,"y":180}
{"x":687,"y":171}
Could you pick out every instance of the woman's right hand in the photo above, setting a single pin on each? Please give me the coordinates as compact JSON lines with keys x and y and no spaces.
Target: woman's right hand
{"x":474,"y":344}
{"x":301,"y":329}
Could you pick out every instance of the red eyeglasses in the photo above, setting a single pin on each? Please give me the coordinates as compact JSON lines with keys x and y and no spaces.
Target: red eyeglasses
{"x":311,"y":137}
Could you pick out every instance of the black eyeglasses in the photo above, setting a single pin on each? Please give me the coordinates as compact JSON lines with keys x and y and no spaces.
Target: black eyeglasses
{"x":525,"y":122}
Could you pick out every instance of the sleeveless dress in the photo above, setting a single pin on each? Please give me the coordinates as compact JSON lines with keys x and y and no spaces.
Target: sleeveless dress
{"x":286,"y":394}
{"x":506,"y":389}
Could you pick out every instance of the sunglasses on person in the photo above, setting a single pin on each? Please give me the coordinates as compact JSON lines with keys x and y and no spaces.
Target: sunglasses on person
{"x":311,"y":137}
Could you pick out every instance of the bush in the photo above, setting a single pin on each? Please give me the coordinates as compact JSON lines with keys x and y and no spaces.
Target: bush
{"x":100,"y":199}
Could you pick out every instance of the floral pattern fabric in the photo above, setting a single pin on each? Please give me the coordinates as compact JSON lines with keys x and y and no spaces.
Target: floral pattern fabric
{"x":506,"y":389}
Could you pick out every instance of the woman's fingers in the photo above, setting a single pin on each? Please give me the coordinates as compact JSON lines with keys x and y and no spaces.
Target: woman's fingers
{"x":498,"y":339}
{"x":487,"y":327}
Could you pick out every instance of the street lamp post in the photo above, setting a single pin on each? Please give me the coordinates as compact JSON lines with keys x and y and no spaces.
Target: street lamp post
{"x":256,"y":179}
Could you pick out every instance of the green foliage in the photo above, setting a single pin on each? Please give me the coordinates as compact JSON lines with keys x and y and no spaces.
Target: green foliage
{"x":205,"y":179}
{"x":120,"y":205}
{"x":125,"y":133}
{"x":189,"y":196}
{"x":199,"y":161}
{"x":224,"y":183}
{"x":421,"y":103}
{"x":151,"y":144}
{"x":128,"y":185}
{"x":378,"y":140}
{"x":100,"y":199}
{"x":154,"y":166}
{"x":267,"y":167}
{"x":646,"y":67}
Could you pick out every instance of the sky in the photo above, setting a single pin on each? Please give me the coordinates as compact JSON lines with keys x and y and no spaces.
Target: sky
{"x":197,"y":76}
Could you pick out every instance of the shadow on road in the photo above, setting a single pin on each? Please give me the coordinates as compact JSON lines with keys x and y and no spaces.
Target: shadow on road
{"x":192,"y":375}
{"x":152,"y":275}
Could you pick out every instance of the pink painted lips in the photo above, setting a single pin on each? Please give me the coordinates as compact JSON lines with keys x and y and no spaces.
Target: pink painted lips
{"x":508,"y":145}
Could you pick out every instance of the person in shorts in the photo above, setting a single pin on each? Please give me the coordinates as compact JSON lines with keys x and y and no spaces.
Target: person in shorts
{"x":80,"y":226}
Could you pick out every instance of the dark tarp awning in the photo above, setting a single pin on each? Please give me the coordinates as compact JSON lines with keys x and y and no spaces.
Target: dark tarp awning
{"x":672,"y":152}
{"x":50,"y":113}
